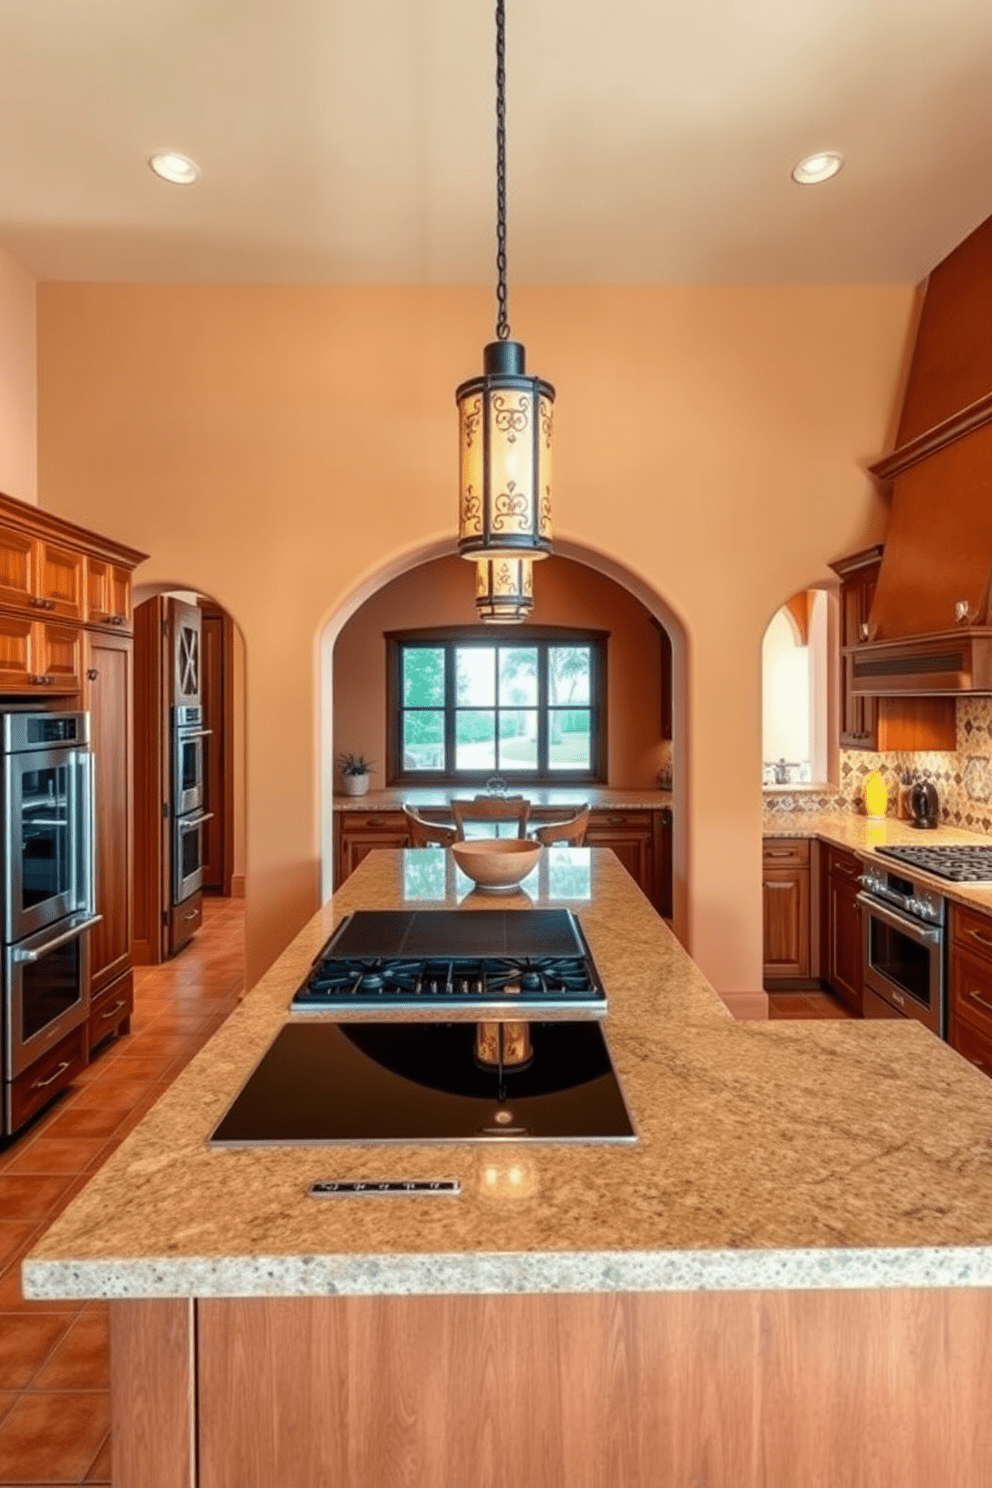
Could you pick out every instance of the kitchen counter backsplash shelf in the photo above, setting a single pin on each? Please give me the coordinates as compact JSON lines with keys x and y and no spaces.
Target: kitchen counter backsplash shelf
{"x":963,"y":779}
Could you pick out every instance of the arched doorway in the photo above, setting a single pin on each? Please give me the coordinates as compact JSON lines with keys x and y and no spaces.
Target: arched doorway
{"x":647,"y":723}
{"x":189,"y":781}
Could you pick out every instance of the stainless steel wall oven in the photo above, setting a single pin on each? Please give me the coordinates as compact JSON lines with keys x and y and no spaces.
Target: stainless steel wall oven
{"x":48,"y":884}
{"x":188,"y":734}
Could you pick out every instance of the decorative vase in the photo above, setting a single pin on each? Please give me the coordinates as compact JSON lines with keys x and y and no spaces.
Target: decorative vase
{"x":876,"y":796}
{"x":355,"y":785}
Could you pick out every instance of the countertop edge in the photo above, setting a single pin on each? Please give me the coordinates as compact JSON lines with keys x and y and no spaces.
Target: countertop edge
{"x":508,"y":1273}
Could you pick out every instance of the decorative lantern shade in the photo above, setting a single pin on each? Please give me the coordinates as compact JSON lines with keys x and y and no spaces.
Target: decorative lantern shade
{"x":505,"y":421}
{"x":504,"y":590}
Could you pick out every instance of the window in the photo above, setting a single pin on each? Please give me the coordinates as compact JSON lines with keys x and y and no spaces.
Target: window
{"x":464,"y":706}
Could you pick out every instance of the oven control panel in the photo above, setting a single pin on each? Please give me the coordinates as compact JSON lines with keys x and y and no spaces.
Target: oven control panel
{"x":917,"y":900}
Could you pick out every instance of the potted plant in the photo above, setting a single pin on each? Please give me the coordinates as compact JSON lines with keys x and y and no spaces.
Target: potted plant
{"x":356,"y":771}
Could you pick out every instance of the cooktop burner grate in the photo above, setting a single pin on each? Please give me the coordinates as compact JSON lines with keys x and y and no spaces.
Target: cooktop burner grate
{"x":513,"y":981}
{"x":959,"y":863}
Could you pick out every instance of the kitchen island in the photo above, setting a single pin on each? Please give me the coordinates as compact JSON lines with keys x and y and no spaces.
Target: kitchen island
{"x":785,"y":1280}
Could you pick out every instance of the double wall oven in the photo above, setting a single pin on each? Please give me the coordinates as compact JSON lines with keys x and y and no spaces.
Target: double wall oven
{"x":189,"y":815}
{"x":48,"y":887}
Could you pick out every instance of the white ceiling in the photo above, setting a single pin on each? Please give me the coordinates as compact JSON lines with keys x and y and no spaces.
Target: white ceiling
{"x":352,"y":140}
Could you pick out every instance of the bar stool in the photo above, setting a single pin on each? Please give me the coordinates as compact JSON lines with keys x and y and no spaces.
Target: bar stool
{"x":572,"y":830}
{"x":424,"y":833}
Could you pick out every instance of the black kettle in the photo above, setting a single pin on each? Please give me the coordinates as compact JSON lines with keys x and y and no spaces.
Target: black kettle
{"x":924,"y":804}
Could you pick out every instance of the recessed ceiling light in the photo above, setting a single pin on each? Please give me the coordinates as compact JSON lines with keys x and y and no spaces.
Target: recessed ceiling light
{"x":816,"y":168}
{"x":172,"y":166}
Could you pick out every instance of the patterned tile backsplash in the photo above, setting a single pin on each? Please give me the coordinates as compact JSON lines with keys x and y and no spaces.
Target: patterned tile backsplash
{"x":963,"y":779}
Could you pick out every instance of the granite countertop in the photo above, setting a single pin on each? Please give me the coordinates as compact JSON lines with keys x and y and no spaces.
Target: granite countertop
{"x":775,"y":1155}
{"x":862,"y":835}
{"x":425,"y":797}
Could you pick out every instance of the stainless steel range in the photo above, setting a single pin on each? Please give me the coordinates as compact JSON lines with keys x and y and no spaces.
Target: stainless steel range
{"x":903,"y":933}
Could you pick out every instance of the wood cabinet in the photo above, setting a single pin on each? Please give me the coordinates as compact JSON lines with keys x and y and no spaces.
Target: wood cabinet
{"x":786,"y":898}
{"x":108,"y":697}
{"x":858,"y":714}
{"x":843,"y":937}
{"x":108,"y":595}
{"x":641,"y":839}
{"x":970,"y":986}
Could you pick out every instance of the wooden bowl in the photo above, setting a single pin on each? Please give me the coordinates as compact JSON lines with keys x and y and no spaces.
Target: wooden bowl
{"x":496,"y":864}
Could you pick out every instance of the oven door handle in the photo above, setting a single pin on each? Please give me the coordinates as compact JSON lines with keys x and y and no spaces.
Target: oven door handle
{"x":186,"y":823}
{"x":30,"y":957}
{"x":186,"y":734}
{"x":922,"y":934}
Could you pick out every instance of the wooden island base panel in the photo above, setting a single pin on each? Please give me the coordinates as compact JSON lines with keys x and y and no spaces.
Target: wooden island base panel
{"x":725,"y":1390}
{"x":785,"y":1280}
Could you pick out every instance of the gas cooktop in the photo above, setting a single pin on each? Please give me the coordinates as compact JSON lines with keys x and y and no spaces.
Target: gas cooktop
{"x":472,"y":964}
{"x":958,"y":863}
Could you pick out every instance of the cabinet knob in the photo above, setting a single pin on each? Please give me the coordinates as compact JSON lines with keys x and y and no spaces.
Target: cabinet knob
{"x":117,"y":619}
{"x":92,"y":674}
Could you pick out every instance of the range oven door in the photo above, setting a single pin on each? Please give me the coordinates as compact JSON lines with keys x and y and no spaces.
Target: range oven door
{"x":188,"y":735}
{"x":187,"y":854}
{"x":46,"y":990}
{"x":904,"y":962}
{"x":48,"y":847}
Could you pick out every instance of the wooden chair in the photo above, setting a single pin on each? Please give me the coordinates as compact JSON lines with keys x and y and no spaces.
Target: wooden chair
{"x":572,"y":830}
{"x":424,"y":833}
{"x":492,"y":809}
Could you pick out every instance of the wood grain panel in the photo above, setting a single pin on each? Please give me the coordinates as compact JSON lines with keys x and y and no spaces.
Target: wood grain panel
{"x":732,"y":1390}
{"x":18,"y":640}
{"x":152,"y":1382}
{"x":60,"y":580}
{"x":18,"y":567}
{"x":786,"y":921}
{"x":108,"y":697}
{"x":952,"y":357}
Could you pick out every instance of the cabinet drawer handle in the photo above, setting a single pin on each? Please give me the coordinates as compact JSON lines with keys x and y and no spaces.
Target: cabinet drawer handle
{"x":36,"y":602}
{"x":121,"y":1002}
{"x":617,"y":821}
{"x":978,"y":1063}
{"x":117,"y":619}
{"x":778,"y":852}
{"x":40,"y":1084}
{"x":977,"y":997}
{"x":191,"y":916}
{"x":898,"y":997}
{"x":983,"y":939}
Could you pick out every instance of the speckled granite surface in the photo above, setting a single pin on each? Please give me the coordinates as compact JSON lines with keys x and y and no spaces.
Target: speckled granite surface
{"x":812,"y":1154}
{"x":861,"y":835}
{"x":424,"y":797}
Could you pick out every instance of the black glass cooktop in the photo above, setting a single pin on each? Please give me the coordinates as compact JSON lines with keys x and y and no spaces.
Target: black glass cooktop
{"x":423,"y":1082}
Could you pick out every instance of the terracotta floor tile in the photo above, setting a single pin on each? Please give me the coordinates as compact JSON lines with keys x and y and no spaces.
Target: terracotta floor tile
{"x":89,"y":1122}
{"x":100,"y":1471}
{"x":32,"y":1195}
{"x":110,"y":1095}
{"x":26,"y":1340}
{"x":81,"y":1360}
{"x":53,"y":1438}
{"x":58,"y":1155}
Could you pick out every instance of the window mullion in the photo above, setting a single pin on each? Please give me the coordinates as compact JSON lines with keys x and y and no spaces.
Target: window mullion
{"x":542,"y":709}
{"x":449,"y":708}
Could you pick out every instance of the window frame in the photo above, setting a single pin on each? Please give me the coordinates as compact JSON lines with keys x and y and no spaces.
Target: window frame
{"x":451,"y":637}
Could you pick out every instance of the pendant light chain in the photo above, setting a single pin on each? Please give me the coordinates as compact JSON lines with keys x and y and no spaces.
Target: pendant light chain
{"x":502,"y":323}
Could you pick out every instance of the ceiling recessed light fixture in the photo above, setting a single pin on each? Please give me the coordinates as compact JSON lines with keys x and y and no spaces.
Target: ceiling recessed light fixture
{"x":172,"y":166}
{"x":816,"y":168}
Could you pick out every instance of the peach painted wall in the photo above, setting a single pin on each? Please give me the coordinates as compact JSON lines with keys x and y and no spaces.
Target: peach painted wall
{"x":283,"y":448}
{"x":565,"y":593}
{"x":18,"y":382}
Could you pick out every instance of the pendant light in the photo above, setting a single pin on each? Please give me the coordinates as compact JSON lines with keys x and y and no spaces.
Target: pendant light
{"x":505,"y":422}
{"x":504,"y":590}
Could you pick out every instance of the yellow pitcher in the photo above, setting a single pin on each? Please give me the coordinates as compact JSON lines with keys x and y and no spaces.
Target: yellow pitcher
{"x":876,"y":796}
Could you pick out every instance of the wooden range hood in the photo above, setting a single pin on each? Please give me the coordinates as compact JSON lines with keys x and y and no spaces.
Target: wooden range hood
{"x":930,"y":629}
